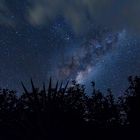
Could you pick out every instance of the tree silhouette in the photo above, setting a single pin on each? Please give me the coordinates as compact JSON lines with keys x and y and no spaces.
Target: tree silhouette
{"x":132,"y":102}
{"x":65,"y":110}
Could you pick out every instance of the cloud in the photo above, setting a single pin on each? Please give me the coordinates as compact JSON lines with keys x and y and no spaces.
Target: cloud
{"x":6,"y":18}
{"x":80,"y":13}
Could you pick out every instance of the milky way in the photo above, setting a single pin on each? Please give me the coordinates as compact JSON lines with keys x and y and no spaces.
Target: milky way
{"x":79,"y":40}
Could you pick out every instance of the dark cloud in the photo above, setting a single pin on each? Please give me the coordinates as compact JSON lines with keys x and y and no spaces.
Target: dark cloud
{"x":112,"y":13}
{"x":6,"y":17}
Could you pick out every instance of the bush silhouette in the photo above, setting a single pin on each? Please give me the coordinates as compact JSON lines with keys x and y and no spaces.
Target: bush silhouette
{"x":66,"y":110}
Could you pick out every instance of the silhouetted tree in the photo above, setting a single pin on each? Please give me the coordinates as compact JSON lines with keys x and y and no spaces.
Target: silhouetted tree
{"x":66,"y":110}
{"x":132,"y":102}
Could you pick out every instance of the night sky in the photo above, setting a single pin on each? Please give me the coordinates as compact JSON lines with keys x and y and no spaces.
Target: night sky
{"x":80,"y":40}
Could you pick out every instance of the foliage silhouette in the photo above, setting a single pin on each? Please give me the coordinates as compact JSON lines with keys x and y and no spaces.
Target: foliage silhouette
{"x":66,"y":110}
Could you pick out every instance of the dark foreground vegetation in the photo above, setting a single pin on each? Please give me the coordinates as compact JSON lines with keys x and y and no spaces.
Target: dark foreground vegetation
{"x":66,"y":112}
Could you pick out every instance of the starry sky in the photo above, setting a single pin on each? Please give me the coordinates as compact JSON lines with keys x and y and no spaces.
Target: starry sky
{"x":80,"y":40}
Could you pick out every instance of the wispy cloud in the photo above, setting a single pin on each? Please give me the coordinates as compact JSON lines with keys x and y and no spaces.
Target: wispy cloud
{"x":6,"y":17}
{"x":113,"y":13}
